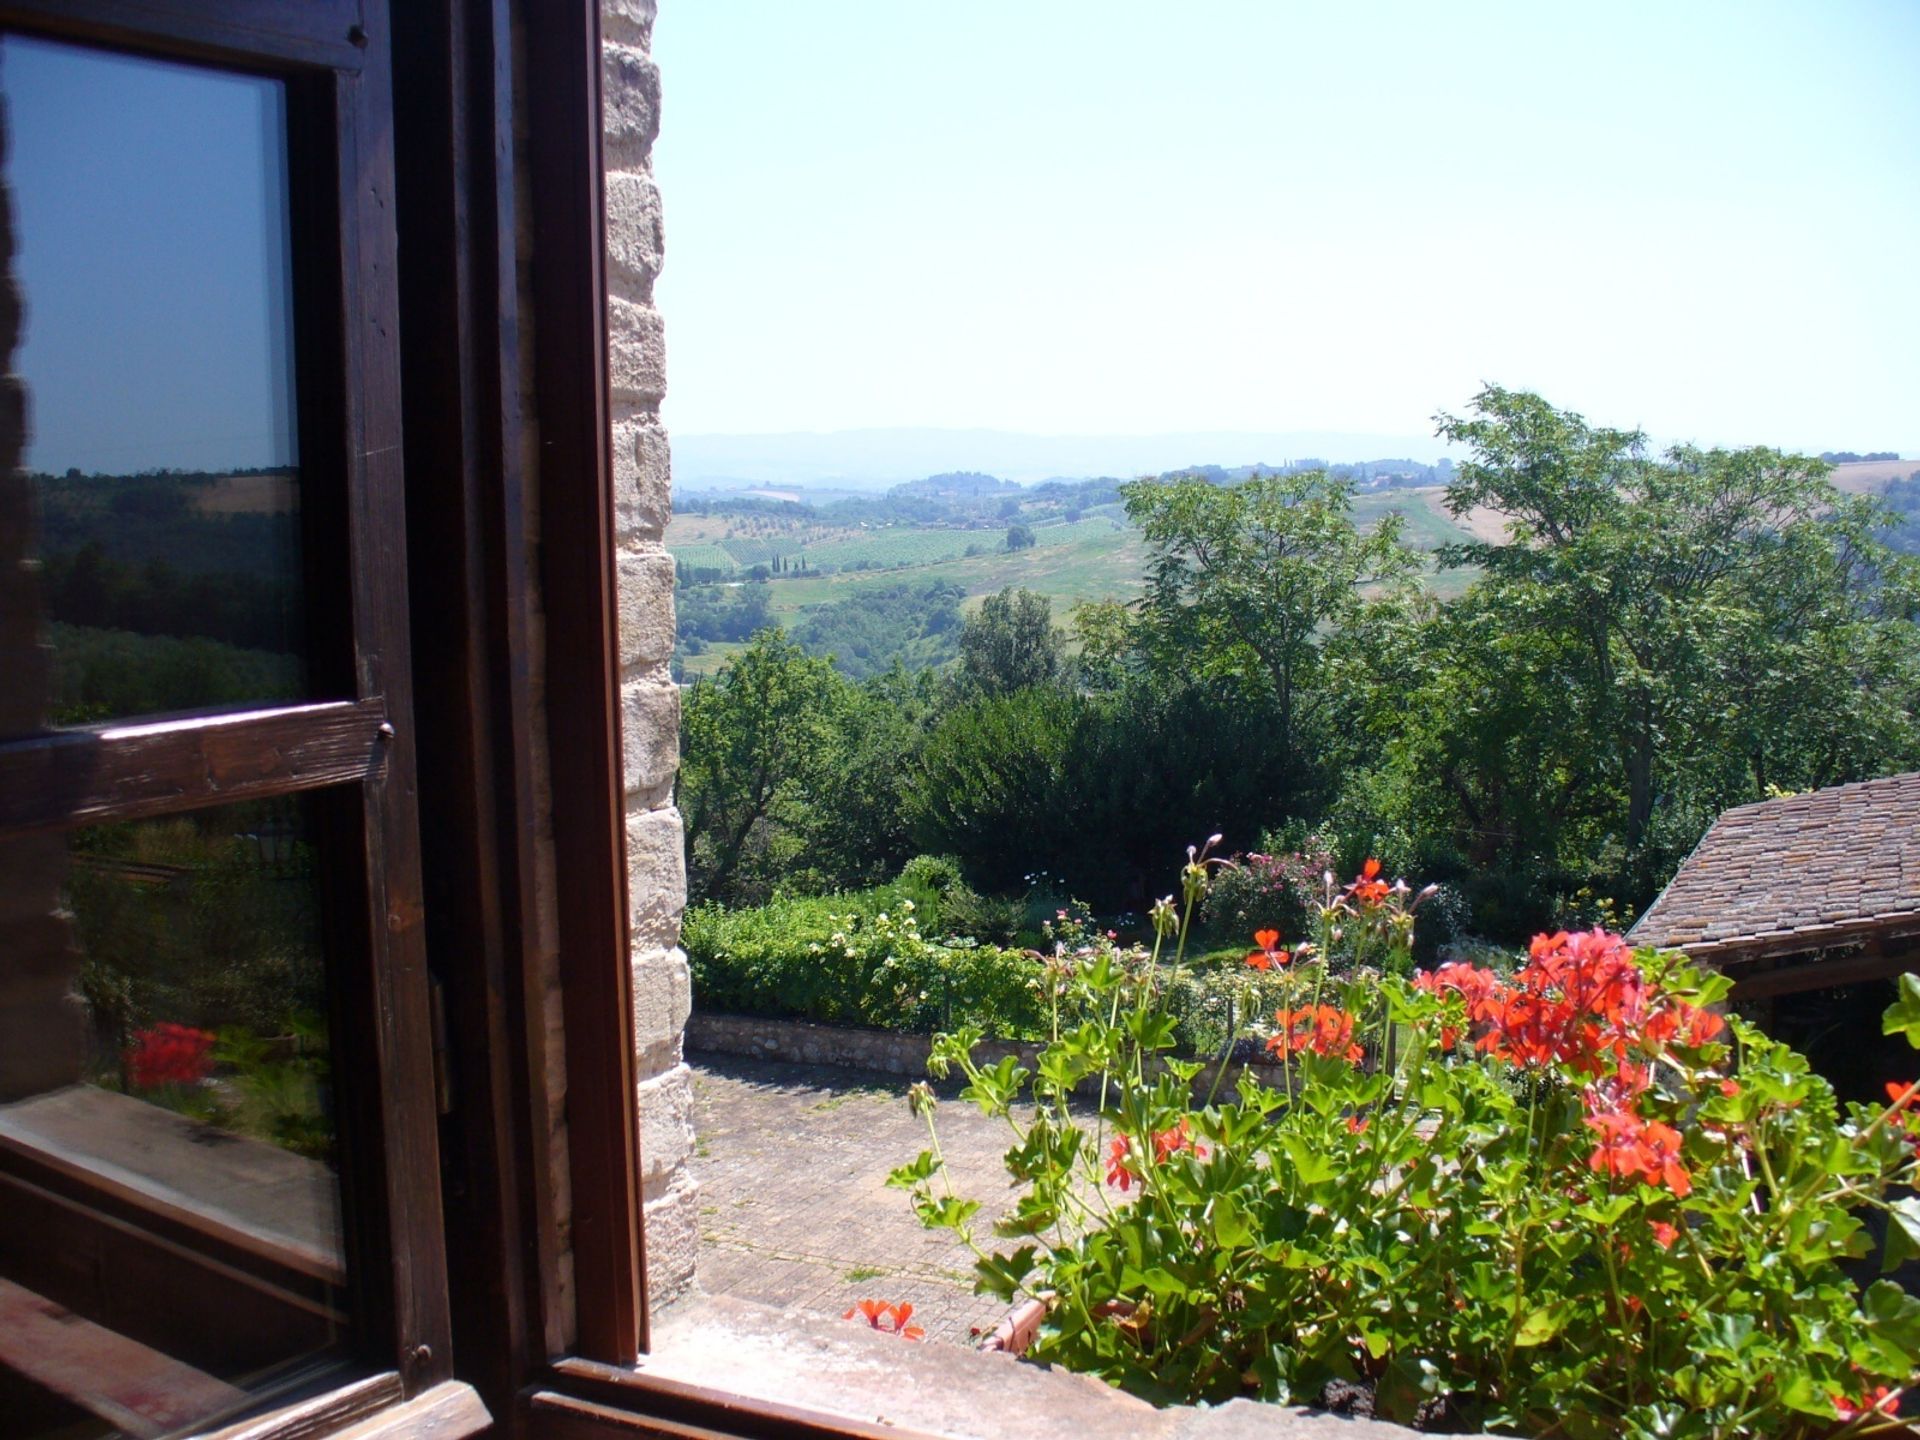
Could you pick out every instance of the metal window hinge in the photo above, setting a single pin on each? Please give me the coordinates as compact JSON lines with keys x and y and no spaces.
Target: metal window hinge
{"x":442,"y":1061}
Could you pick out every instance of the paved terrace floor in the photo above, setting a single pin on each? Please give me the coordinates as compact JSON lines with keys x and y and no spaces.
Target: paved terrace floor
{"x":792,"y":1162}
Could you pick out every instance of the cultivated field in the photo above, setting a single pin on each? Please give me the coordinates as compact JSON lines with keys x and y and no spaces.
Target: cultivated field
{"x":1098,"y":557}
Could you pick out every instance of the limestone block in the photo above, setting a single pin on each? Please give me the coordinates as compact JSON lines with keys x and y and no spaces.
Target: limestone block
{"x":662,"y":1000}
{"x":672,"y":1222}
{"x":656,"y":877}
{"x":645,"y":580}
{"x":629,"y":105}
{"x":636,"y":353}
{"x":650,"y":737}
{"x":636,"y":239}
{"x":642,"y":480}
{"x":630,"y":22}
{"x":666,"y":1125}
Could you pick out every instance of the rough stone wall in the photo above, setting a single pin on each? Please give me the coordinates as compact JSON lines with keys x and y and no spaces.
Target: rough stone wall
{"x":650,"y":732}
{"x":42,"y":1022}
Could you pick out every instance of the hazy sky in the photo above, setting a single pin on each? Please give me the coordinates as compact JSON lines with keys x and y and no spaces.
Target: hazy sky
{"x":1109,"y":216}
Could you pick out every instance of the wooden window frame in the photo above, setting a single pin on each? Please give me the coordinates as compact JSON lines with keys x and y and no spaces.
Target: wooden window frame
{"x":356,"y":751}
{"x":473,"y":284}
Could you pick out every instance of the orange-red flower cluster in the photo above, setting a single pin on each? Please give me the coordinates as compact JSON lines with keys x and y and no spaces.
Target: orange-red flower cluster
{"x":1166,"y":1144}
{"x":1881,"y":1399}
{"x":1269,"y":954}
{"x":1119,"y":1172}
{"x":1579,"y":1000}
{"x":1631,"y":1146}
{"x":891,"y":1318}
{"x":1170,"y":1142}
{"x":1323,"y":1029}
{"x":169,"y":1054}
{"x":1368,"y":888}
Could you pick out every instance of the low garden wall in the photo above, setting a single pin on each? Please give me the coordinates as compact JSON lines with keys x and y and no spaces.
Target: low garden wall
{"x":885,"y":1052}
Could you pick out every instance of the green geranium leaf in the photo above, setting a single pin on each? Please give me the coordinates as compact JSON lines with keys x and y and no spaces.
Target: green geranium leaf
{"x":1903,"y":1231}
{"x":1903,"y":1016}
{"x":1541,"y":1324}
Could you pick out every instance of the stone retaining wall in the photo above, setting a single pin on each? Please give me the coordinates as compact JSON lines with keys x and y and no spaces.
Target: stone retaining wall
{"x":884,"y":1052}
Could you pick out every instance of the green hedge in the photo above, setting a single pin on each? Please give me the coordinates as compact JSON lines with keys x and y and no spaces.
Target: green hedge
{"x":862,"y":958}
{"x":859,"y":959}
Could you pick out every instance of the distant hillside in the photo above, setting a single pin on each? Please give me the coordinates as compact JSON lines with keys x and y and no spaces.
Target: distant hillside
{"x":877,"y":459}
{"x":1871,"y":477}
{"x":960,"y":485}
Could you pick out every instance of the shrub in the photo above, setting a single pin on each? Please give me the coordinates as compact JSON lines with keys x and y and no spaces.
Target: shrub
{"x":1262,"y":890}
{"x":858,"y":959}
{"x":1574,"y":1201}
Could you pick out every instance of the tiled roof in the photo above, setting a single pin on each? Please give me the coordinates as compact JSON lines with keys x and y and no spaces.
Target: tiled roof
{"x":1828,"y":868}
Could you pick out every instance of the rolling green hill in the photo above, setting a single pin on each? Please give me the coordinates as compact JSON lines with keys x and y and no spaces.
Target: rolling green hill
{"x":1095,"y":557}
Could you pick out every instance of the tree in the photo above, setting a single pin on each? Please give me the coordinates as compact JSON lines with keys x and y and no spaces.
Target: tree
{"x":1019,"y":537}
{"x":756,"y":744}
{"x":1256,"y":580}
{"x":1010,"y":644}
{"x":1658,"y":638}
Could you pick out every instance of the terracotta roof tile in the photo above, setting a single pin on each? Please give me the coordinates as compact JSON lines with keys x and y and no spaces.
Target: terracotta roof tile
{"x":1818,"y":869}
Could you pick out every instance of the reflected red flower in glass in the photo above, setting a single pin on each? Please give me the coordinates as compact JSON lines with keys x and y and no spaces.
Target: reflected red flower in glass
{"x":169,"y":1054}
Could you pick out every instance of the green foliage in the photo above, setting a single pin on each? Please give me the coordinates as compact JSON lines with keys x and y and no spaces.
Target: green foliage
{"x":859,"y":959}
{"x":106,"y":674}
{"x":910,"y":624}
{"x":1255,"y":580}
{"x":1656,"y":640}
{"x":1572,"y":1201}
{"x":754,"y":746}
{"x":721,"y":612}
{"x":1009,"y":644}
{"x":1094,"y":786}
{"x":1019,"y":537}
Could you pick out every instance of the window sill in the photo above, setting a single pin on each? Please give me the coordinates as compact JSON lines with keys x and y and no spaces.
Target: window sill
{"x":756,"y":1354}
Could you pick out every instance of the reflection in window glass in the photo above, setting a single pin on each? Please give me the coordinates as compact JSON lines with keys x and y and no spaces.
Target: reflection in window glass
{"x":170,"y":1239}
{"x":152,"y":250}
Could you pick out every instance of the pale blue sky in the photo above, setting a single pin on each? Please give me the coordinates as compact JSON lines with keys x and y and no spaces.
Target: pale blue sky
{"x":151,"y":220}
{"x":1094,"y":216}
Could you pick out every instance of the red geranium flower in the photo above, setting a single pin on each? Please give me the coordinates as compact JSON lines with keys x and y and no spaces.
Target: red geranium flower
{"x":891,"y":1318}
{"x":169,"y":1054}
{"x":1269,"y":954}
{"x":1631,"y":1147}
{"x":1323,"y":1029}
{"x":1168,"y":1143}
{"x":1883,"y":1399}
{"x":1664,"y":1234}
{"x":1368,"y":888}
{"x":1118,"y":1171}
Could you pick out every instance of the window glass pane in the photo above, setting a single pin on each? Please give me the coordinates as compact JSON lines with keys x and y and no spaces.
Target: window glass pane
{"x":170,"y":1238}
{"x":152,"y":252}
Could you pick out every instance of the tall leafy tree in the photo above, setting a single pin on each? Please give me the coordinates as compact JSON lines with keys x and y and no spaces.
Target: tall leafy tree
{"x":756,"y":745}
{"x":1009,"y":644}
{"x":1659,"y":635}
{"x":1257,"y":580}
